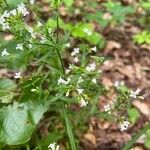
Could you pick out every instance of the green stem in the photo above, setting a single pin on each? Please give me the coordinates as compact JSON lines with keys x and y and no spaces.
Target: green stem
{"x":69,"y":128}
{"x":65,"y":114}
{"x":136,"y":137}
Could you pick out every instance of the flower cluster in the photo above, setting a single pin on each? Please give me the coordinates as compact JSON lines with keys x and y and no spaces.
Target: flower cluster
{"x":53,"y":146}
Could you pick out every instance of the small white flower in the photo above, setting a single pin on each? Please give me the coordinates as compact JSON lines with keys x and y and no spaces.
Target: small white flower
{"x":30,"y":46}
{"x":134,"y":94}
{"x":30,"y":30}
{"x":19,"y":46}
{"x":5,"y":26}
{"x":43,"y":39}
{"x":83,"y":103}
{"x":76,"y":59}
{"x":17,"y":75}
{"x":118,"y":84}
{"x":67,"y":94}
{"x":39,"y":24}
{"x":87,"y":31}
{"x":107,"y":16}
{"x":68,"y":45}
{"x":80,"y":91}
{"x":53,"y":146}
{"x":2,"y":20}
{"x":94,"y":80}
{"x":80,"y":80}
{"x":5,"y":53}
{"x":32,"y":2}
{"x":91,"y":67}
{"x":67,"y":71}
{"x":6,"y":14}
{"x":124,"y":125}
{"x":107,"y":108}
{"x":75,"y":51}
{"x":62,"y":81}
{"x":94,"y":49}
{"x":13,"y":12}
{"x":22,"y":9}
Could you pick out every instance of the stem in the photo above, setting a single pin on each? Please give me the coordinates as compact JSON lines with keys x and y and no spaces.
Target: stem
{"x":65,"y":114}
{"x":68,"y":127}
{"x":136,"y":137}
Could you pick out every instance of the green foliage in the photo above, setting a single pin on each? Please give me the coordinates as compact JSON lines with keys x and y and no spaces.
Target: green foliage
{"x":143,"y":37}
{"x":147,"y":141}
{"x":133,"y":115}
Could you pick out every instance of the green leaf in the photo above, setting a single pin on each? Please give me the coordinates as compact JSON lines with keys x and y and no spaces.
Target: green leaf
{"x":133,"y":114}
{"x":68,"y":3}
{"x":14,"y":3}
{"x":17,"y":122}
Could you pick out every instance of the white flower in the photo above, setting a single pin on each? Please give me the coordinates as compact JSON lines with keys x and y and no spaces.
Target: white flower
{"x":6,"y":14}
{"x":13,"y":12}
{"x":53,"y":146}
{"x":43,"y":39}
{"x":76,"y":59}
{"x":83,"y":103}
{"x":62,"y":81}
{"x":118,"y":84}
{"x":80,"y":80}
{"x":94,"y":49}
{"x":39,"y":24}
{"x":124,"y":125}
{"x":32,"y":2}
{"x":107,"y":16}
{"x":68,"y":45}
{"x":107,"y":108}
{"x":30,"y":46}
{"x":75,"y":51}
{"x":80,"y":91}
{"x":134,"y":94}
{"x":67,"y":71}
{"x":17,"y":75}
{"x":30,"y":30}
{"x":87,"y":31}
{"x":19,"y":46}
{"x":5,"y":53}
{"x":22,"y":9}
{"x":94,"y":80}
{"x":5,"y":26}
{"x":91,"y":67}
{"x":2,"y":20}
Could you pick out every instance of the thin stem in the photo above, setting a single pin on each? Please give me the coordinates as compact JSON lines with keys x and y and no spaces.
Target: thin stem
{"x":68,"y":128}
{"x":65,"y":114}
{"x":136,"y":137}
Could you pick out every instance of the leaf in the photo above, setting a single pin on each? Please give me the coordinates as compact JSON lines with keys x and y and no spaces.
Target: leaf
{"x":17,"y":122}
{"x":68,"y":3}
{"x":14,"y":3}
{"x":133,"y":114}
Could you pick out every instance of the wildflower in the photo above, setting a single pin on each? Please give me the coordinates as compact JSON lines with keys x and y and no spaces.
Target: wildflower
{"x":31,"y":2}
{"x":22,"y":9}
{"x":94,"y":80}
{"x":75,"y":51}
{"x":43,"y":39}
{"x":68,"y":45}
{"x":87,"y":31}
{"x":134,"y":94}
{"x":67,"y":71}
{"x":80,"y":91}
{"x":6,"y":14}
{"x":53,"y":146}
{"x":5,"y":26}
{"x":107,"y":108}
{"x":91,"y":67}
{"x":83,"y":103}
{"x":39,"y":24}
{"x":124,"y":125}
{"x":13,"y":12}
{"x":30,"y":46}
{"x":30,"y":30}
{"x":17,"y":75}
{"x":107,"y":16}
{"x":62,"y":81}
{"x":80,"y":80}
{"x":94,"y":49}
{"x":5,"y":53}
{"x":2,"y":20}
{"x":19,"y":46}
{"x":76,"y":59}
{"x":118,"y":84}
